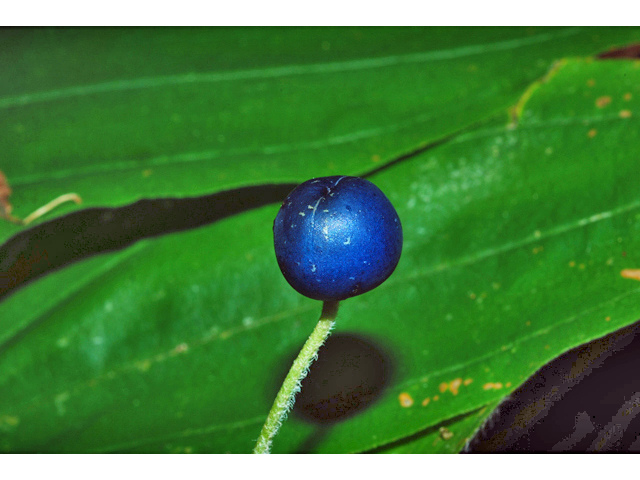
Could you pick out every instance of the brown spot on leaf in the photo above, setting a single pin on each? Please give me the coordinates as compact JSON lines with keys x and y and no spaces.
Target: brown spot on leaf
{"x":602,"y":102}
{"x":591,"y":82}
{"x":592,"y":133}
{"x":5,"y":204}
{"x":629,"y":51}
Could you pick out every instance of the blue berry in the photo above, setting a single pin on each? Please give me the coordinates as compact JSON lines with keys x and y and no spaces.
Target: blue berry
{"x":337,"y":237}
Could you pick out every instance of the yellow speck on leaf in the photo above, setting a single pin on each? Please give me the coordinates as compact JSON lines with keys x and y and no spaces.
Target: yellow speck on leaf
{"x":492,"y":386}
{"x":528,"y":323}
{"x":8,"y":422}
{"x":454,"y":385}
{"x":608,"y":319}
{"x":602,"y":102}
{"x":426,"y":401}
{"x":405,"y":400}
{"x":627,"y":96}
{"x":581,"y":266}
{"x":146,"y":173}
{"x":625,"y":113}
{"x":436,"y":398}
{"x":507,"y":385}
{"x":143,"y":365}
{"x":572,"y":263}
{"x":472,"y":296}
{"x":592,"y":133}
{"x":591,"y":82}
{"x":59,"y":402}
{"x":467,"y":382}
{"x":375,"y":158}
{"x":631,"y":273}
{"x":182,"y":348}
{"x":445,"y":433}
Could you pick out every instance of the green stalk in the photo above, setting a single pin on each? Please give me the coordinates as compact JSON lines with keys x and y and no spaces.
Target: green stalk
{"x":286,"y":396}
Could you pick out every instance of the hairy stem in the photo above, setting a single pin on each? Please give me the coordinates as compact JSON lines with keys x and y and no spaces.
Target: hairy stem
{"x":286,"y":396}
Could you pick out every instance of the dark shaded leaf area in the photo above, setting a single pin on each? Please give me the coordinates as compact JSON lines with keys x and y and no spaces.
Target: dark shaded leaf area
{"x":557,"y":409}
{"x":59,"y":243}
{"x":627,"y":52}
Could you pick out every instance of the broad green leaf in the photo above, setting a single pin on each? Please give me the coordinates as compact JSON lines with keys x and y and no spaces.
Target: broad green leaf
{"x":449,"y":437}
{"x":515,"y":239}
{"x":119,"y":115}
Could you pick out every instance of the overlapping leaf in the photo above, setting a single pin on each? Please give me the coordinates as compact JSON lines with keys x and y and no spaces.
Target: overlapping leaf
{"x":119,"y":115}
{"x":516,"y":234}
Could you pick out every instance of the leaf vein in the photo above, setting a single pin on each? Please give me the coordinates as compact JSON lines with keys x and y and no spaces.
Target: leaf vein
{"x":282,"y":71}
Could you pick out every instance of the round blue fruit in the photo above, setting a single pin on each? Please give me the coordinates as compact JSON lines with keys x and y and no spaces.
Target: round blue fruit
{"x":337,"y":237}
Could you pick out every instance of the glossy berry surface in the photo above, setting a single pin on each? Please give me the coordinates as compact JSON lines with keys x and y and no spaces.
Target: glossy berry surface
{"x":337,"y":237}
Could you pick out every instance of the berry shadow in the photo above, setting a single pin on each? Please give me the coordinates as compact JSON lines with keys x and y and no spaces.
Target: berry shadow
{"x":349,"y":376}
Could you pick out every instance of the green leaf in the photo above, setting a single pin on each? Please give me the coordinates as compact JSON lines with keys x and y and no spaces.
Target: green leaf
{"x":515,"y":239}
{"x":449,"y":437}
{"x":120,"y":115}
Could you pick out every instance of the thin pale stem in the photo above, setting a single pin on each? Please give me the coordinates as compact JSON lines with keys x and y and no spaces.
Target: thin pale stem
{"x":67,"y":197}
{"x":286,"y":396}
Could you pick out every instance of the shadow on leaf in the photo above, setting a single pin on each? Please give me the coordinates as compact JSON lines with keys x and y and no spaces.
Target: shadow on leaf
{"x":59,"y":243}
